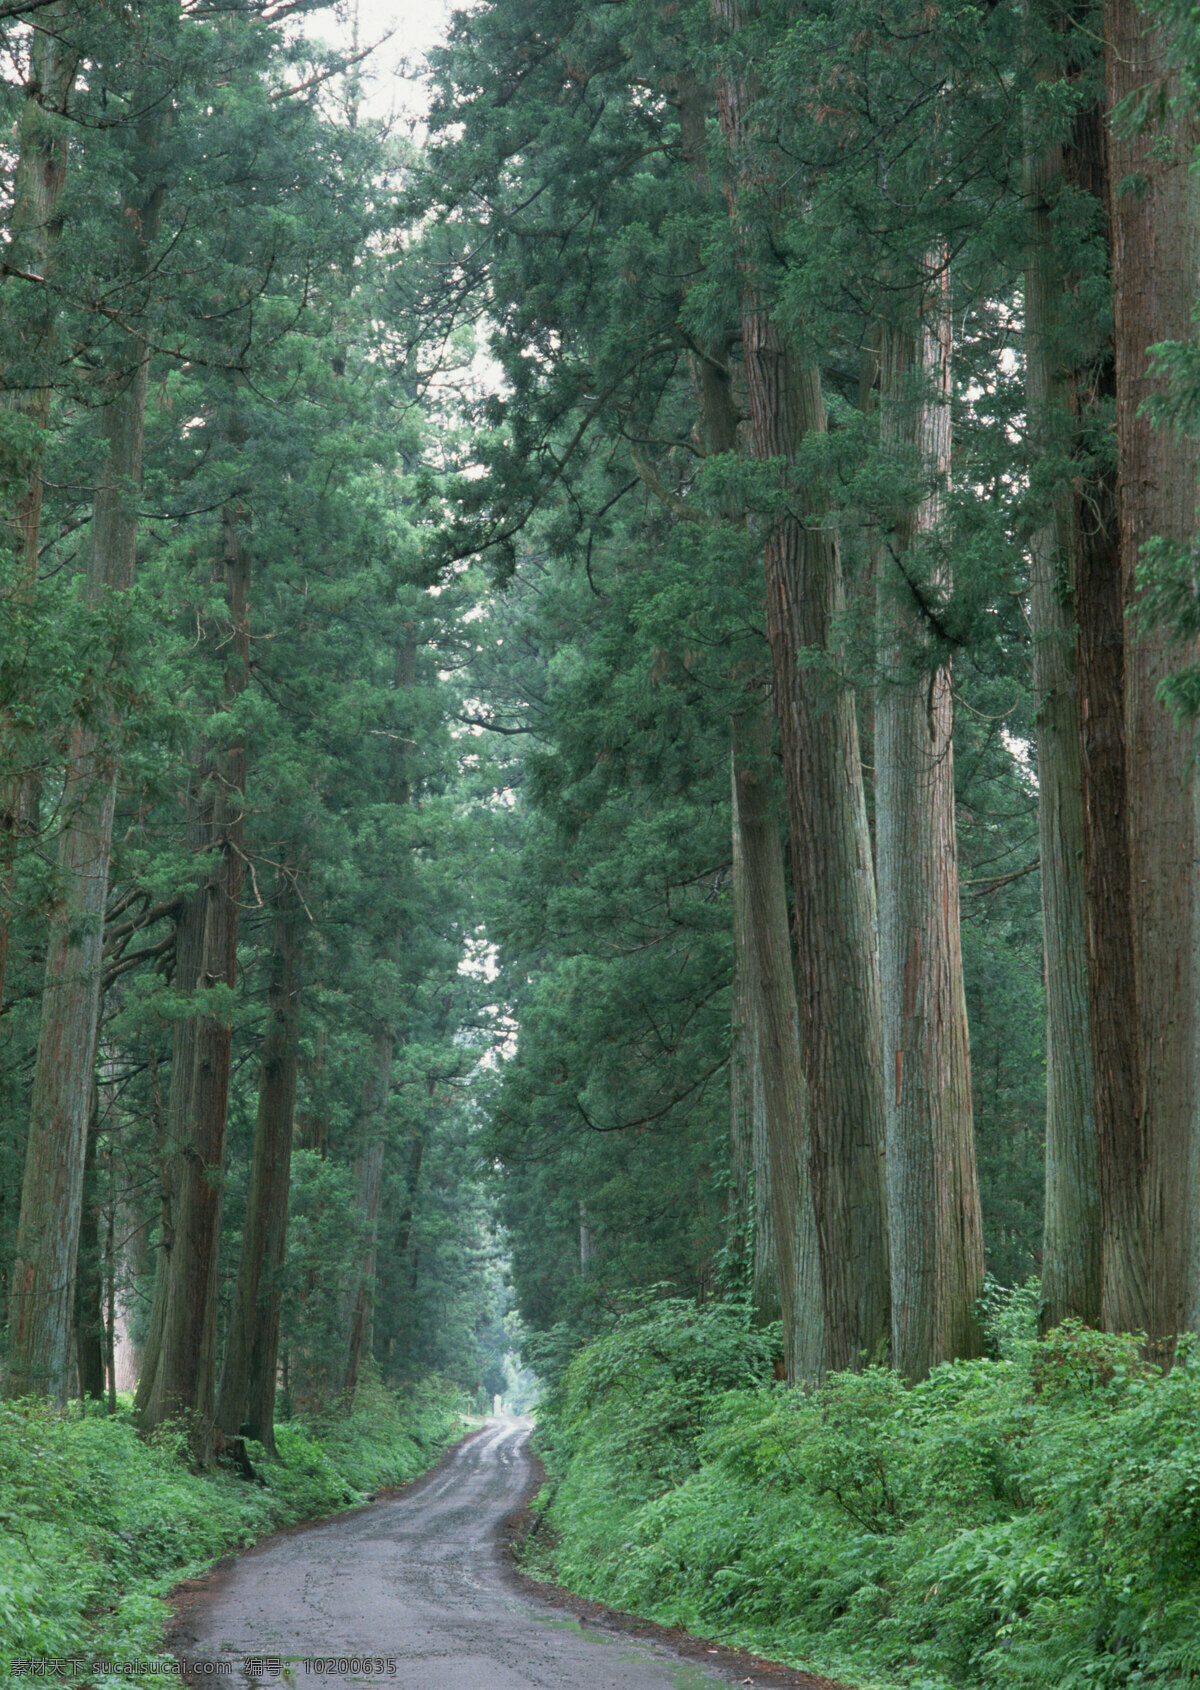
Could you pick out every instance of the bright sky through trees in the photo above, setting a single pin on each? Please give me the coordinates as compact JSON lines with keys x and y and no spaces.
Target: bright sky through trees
{"x":391,"y":75}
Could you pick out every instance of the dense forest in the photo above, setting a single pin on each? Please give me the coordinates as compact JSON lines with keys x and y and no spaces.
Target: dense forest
{"x":597,"y":698}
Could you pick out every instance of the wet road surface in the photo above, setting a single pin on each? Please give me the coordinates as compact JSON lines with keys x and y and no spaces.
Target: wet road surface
{"x":412,"y":1593}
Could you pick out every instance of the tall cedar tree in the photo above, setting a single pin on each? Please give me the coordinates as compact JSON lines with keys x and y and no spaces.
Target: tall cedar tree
{"x":184,"y":1376}
{"x":1147,"y":1132}
{"x":768,"y":1090}
{"x":42,"y":1294}
{"x":246,"y":1398}
{"x":935,"y":1230}
{"x":832,"y":872}
{"x":1068,"y":372}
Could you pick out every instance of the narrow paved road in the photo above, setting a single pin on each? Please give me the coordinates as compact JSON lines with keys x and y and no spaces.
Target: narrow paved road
{"x":411,"y":1593}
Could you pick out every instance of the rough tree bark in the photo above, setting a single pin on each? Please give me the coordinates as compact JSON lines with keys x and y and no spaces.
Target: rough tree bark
{"x":89,"y":1290}
{"x":1148,"y":1139}
{"x":184,"y":1377}
{"x":750,"y":1232}
{"x":1058,"y":411}
{"x":776,"y":1021}
{"x":832,"y":874}
{"x":246,"y":1401}
{"x":43,"y":1278}
{"x":740,"y":1241}
{"x":772,"y":1196}
{"x":751,"y":1215}
{"x":934,"y":1222}
{"x":368,"y":1182}
{"x":189,"y":944}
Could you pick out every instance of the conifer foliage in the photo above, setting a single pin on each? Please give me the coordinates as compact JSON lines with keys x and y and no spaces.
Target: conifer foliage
{"x":805,"y":322}
{"x":234,"y":816}
{"x":600,"y":707}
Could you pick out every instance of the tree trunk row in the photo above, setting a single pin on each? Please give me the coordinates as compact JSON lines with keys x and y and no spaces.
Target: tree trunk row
{"x":43,"y":1280}
{"x":935,"y":1227}
{"x":1118,"y":811}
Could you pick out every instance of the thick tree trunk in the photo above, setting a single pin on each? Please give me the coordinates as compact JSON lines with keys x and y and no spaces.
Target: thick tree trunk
{"x":745,"y":1095}
{"x":184,"y":1380}
{"x":764,"y":1277}
{"x":184,"y":1374}
{"x":368,"y":1180}
{"x":777,"y":1044}
{"x":1071,"y":1236}
{"x":751,"y":1219}
{"x":246,"y":1402}
{"x":752,"y":1206}
{"x":110,"y":1289}
{"x":89,"y":1326}
{"x":1107,"y":869}
{"x":832,"y":876}
{"x":189,"y":945}
{"x":38,"y":181}
{"x":739,"y":1221}
{"x":1147,"y":1150}
{"x":43,"y":1281}
{"x":935,"y":1228}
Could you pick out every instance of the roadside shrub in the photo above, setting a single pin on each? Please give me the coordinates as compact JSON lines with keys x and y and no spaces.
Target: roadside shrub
{"x":625,"y":1423}
{"x":392,"y":1435}
{"x":1030,"y":1521}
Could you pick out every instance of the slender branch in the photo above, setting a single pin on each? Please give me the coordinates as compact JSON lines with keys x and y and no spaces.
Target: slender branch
{"x":986,"y":886}
{"x":320,"y":76}
{"x":125,"y":963}
{"x":655,"y":1114}
{"x":20,"y":11}
{"x":492,"y":727}
{"x":156,"y":912}
{"x":662,"y":492}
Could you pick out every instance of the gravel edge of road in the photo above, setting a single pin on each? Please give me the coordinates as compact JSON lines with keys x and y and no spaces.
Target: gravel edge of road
{"x":739,"y":1665}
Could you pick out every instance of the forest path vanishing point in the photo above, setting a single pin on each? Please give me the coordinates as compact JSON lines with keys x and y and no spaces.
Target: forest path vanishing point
{"x":419,"y":1584}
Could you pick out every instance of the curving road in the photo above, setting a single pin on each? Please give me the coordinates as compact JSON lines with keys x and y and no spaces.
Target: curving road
{"x":412,"y":1593}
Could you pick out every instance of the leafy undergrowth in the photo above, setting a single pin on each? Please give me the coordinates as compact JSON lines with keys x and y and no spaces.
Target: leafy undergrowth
{"x":97,"y":1524}
{"x":1031,"y":1521}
